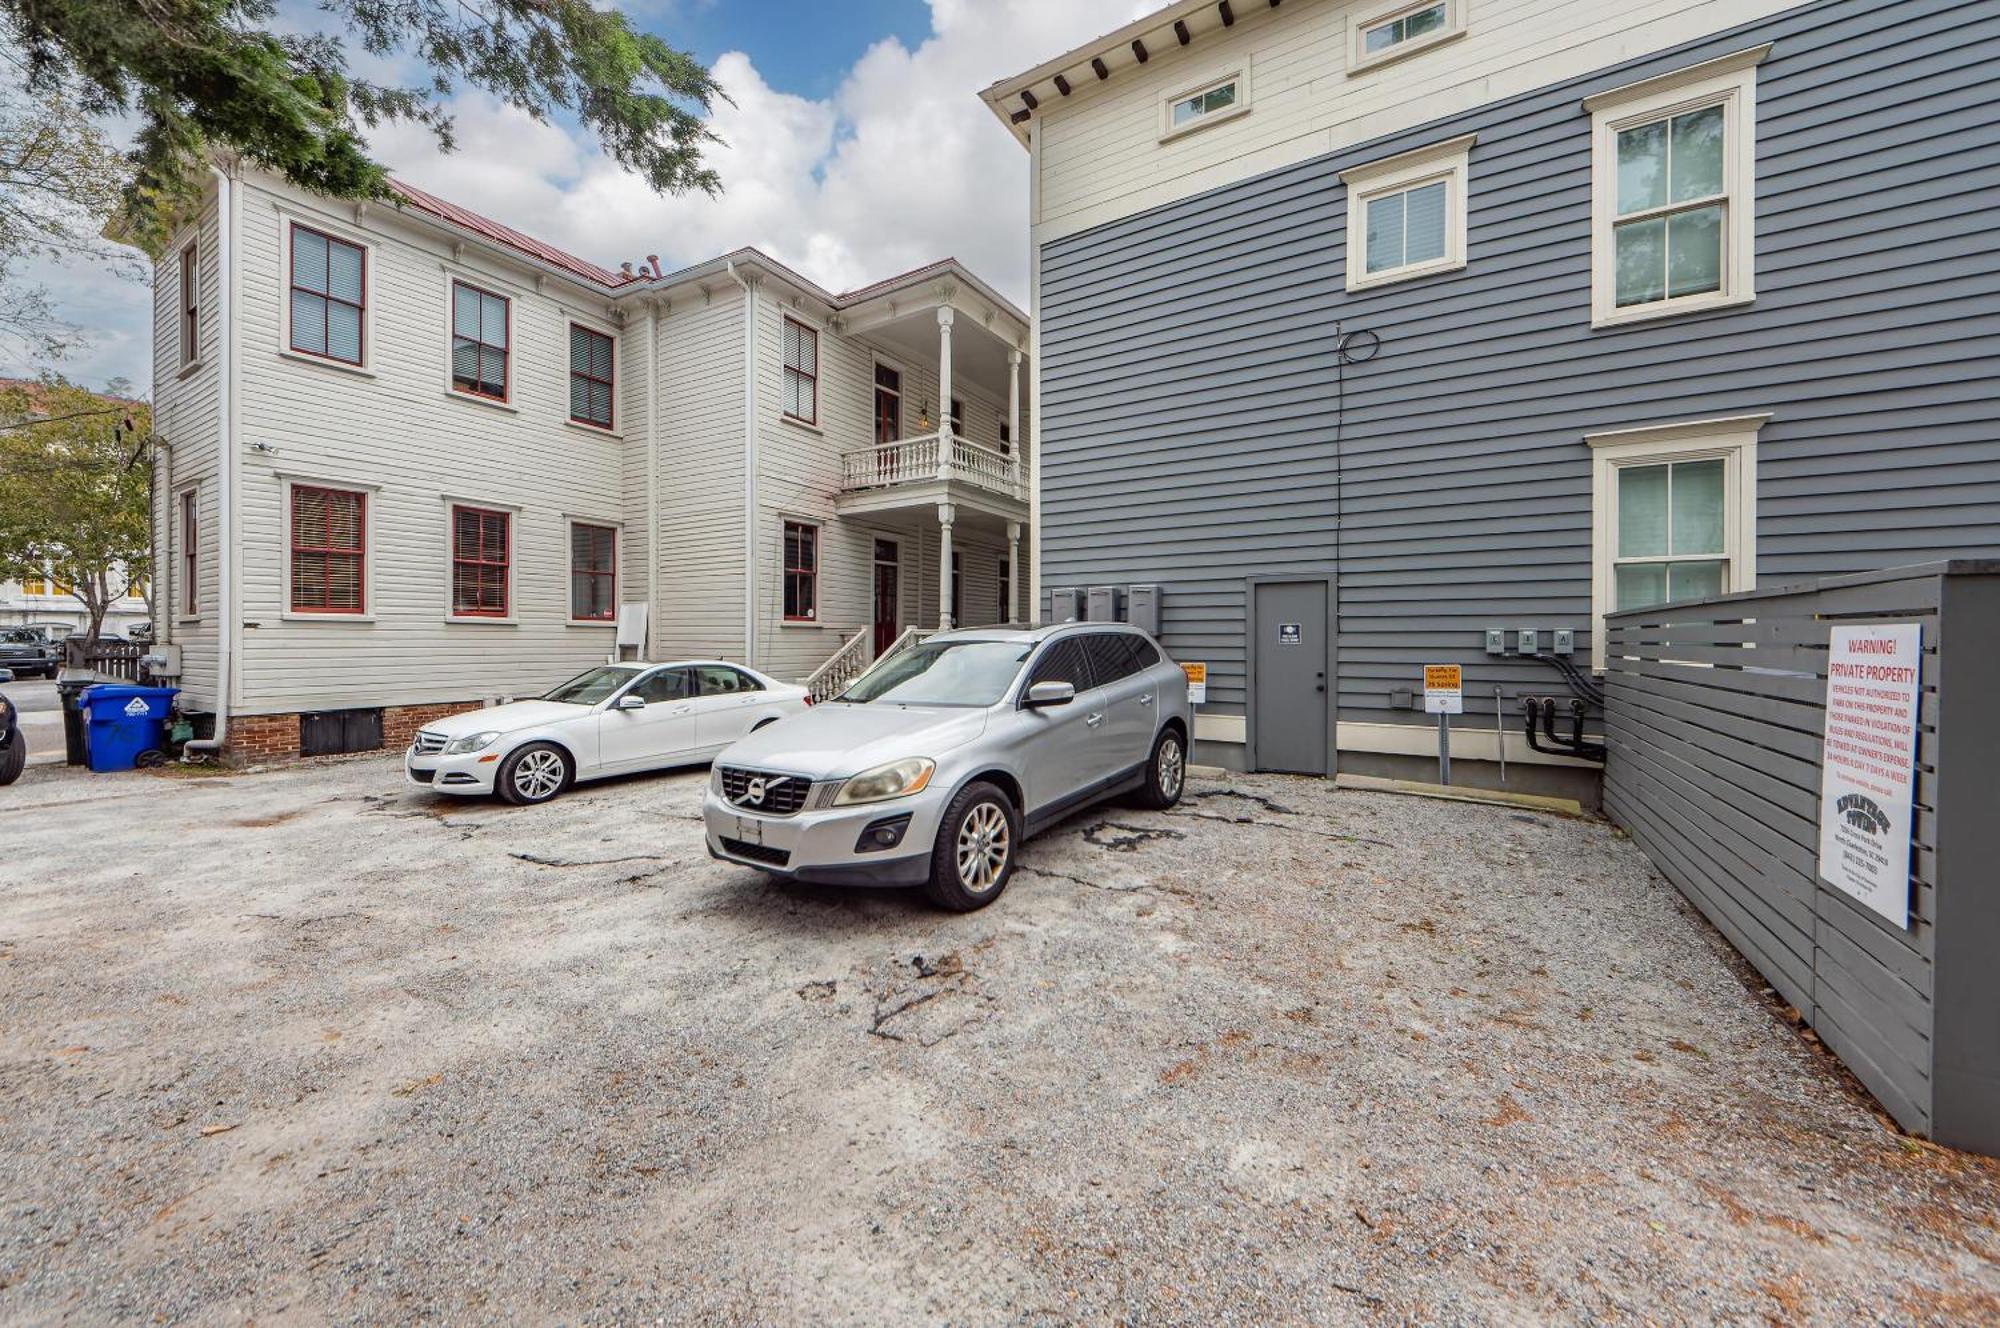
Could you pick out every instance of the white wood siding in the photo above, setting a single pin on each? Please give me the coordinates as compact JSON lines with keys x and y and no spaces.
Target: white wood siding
{"x":1100,"y":151}
{"x":187,"y":414}
{"x":397,"y":430}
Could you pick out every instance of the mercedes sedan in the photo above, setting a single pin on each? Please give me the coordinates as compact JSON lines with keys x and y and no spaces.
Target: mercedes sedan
{"x":613,"y":720}
{"x":936,"y":763}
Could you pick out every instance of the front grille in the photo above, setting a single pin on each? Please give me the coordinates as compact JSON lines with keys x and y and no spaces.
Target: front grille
{"x":764,"y":853}
{"x":428,"y":743}
{"x":764,"y":791}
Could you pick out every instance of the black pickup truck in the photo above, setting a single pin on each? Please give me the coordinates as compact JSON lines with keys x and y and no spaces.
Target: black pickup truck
{"x":29,"y":651}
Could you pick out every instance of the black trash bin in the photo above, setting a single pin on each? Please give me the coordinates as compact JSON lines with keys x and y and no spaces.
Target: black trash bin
{"x":74,"y":721}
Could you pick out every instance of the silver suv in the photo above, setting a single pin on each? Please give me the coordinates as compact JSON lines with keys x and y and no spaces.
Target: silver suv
{"x":937,"y":762}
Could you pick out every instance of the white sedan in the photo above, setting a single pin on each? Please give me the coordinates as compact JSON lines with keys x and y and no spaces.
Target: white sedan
{"x":613,"y":720}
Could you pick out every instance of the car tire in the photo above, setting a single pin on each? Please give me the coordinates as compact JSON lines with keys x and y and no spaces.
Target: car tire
{"x":1166,"y":772}
{"x":966,"y":874}
{"x":533,"y":774}
{"x":13,"y":759}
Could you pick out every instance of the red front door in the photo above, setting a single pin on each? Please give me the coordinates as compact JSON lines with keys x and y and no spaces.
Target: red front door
{"x":886,"y":568}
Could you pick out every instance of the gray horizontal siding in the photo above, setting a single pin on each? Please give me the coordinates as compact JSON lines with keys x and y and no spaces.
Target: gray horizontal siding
{"x":1188,"y":373}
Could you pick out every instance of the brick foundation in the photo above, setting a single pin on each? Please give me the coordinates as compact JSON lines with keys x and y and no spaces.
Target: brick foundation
{"x":263,"y":739}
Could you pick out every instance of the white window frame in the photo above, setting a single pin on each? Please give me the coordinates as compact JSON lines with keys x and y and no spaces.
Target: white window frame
{"x":371,"y":506}
{"x":190,"y":306}
{"x":1449,"y":161}
{"x":1358,"y":57}
{"x":346,"y":235}
{"x":1730,"y":439}
{"x":1728,"y":81}
{"x":1215,"y":78}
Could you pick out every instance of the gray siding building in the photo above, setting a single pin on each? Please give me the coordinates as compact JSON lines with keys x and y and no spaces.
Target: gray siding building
{"x":1635,"y":319}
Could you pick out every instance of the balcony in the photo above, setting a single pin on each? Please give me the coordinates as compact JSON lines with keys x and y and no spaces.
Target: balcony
{"x":913,"y":471}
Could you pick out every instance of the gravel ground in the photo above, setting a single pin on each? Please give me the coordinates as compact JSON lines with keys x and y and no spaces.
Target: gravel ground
{"x":312,"y":1045}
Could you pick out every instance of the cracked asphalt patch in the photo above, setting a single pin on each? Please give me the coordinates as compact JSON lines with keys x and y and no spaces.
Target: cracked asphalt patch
{"x":311,"y":1045}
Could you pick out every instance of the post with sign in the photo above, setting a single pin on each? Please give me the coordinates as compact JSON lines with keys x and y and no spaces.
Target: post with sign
{"x":1444,"y":696}
{"x":1197,"y":680}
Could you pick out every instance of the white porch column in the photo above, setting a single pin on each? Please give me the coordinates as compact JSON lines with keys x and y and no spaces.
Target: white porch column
{"x":944,"y":317}
{"x":947,"y":514}
{"x":1013,"y":570}
{"x":1014,"y":413}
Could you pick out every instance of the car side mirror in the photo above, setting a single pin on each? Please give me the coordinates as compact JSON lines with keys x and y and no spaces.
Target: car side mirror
{"x":629,"y":702}
{"x":1050,"y":694}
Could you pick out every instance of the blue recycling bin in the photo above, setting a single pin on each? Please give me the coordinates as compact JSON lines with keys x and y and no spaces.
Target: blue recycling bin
{"x":122,"y":720}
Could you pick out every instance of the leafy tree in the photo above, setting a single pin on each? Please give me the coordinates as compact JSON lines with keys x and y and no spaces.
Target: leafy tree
{"x":60,"y":177}
{"x":74,"y":490}
{"x":208,"y":74}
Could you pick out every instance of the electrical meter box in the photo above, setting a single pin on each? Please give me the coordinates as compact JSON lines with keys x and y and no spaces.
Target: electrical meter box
{"x":1142,"y":608}
{"x":1104,"y":603}
{"x":1065,"y":605}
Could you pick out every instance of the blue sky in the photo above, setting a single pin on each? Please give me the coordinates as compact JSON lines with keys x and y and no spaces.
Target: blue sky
{"x":855,"y":147}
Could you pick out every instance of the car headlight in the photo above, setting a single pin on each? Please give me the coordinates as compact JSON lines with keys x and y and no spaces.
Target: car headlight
{"x":898,"y":779}
{"x":471,"y":742}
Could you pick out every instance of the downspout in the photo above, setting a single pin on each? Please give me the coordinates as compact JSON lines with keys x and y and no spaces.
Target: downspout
{"x":749,"y":464}
{"x":652,"y":472}
{"x":163,"y":514}
{"x":225,"y":506}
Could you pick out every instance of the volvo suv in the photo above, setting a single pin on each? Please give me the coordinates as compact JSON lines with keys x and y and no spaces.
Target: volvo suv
{"x":935,"y":764}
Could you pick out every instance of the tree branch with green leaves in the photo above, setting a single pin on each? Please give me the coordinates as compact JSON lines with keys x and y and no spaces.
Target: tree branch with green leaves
{"x":208,"y":75}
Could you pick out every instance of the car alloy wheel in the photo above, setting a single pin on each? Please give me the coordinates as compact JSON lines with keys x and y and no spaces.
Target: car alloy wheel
{"x":538,"y":775}
{"x":1172,"y":767}
{"x":983,"y":844}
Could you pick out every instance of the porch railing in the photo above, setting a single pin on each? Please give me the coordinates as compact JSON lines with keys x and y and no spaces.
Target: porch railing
{"x":916,"y":460}
{"x":851,"y":661}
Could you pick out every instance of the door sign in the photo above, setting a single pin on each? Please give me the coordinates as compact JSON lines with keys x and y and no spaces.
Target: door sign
{"x":1290,"y":634}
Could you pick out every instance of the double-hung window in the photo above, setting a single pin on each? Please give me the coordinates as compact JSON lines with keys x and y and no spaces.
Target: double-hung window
{"x":190,"y":304}
{"x":1406,"y":215}
{"x":590,"y":377}
{"x":1006,"y":584}
{"x":1674,"y":514}
{"x":1673,"y":192}
{"x":329,"y":296}
{"x":801,"y":372}
{"x":190,"y":555}
{"x":329,"y":550}
{"x":593,"y":573}
{"x":479,"y":340}
{"x":1391,"y":34}
{"x":801,"y":571}
{"x":481,"y":562}
{"x":35,"y":583}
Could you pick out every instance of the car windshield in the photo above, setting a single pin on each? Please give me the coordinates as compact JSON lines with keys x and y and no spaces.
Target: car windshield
{"x":592,"y":687}
{"x":21,"y":636}
{"x":943,"y":673}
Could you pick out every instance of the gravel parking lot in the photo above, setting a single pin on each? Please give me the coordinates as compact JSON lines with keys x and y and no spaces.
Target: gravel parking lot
{"x":313,"y":1045}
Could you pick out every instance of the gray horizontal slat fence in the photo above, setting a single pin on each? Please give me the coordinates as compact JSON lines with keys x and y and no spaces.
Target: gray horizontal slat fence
{"x":1715,"y":720}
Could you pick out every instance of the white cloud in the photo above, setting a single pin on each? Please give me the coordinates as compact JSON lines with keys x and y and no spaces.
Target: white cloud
{"x":902,"y":165}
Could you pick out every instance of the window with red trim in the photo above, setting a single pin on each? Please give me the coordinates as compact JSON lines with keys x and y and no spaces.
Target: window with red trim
{"x":801,"y":372}
{"x":801,"y":572}
{"x":190,"y":304}
{"x":329,"y":292}
{"x":479,"y":341}
{"x":590,"y":377}
{"x":481,"y":559}
{"x":329,"y":557}
{"x":190,"y":556}
{"x":593,"y":573}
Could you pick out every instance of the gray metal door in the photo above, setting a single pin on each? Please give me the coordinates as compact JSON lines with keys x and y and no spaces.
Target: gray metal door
{"x":1288,"y":685}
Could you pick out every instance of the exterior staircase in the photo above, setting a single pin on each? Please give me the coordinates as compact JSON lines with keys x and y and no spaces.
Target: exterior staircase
{"x":852,"y":660}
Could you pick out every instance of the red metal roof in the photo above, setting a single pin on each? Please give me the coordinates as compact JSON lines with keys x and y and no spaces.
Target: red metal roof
{"x":507,"y":235}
